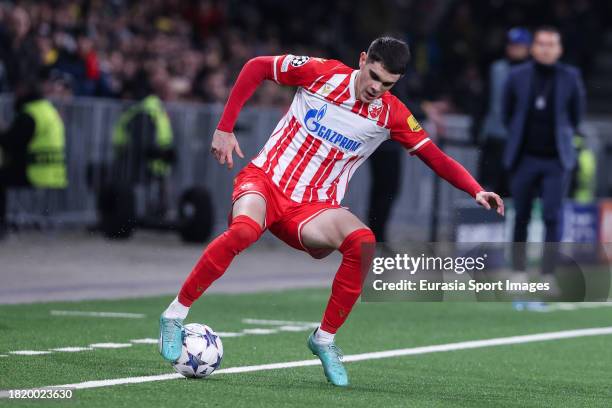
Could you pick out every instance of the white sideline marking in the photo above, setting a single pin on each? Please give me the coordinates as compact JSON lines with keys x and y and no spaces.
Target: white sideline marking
{"x":229,"y":334}
{"x":3,"y":355}
{"x":292,"y":328}
{"x":29,"y":352}
{"x":144,"y":341}
{"x":279,"y":322}
{"x":554,"y":307}
{"x":110,"y":345}
{"x":71,"y":349}
{"x":563,"y":306}
{"x":462,"y":345}
{"x":259,"y":331}
{"x":97,"y":314}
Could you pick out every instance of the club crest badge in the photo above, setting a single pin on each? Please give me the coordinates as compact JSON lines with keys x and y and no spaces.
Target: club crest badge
{"x":326,"y":89}
{"x":375,"y":108}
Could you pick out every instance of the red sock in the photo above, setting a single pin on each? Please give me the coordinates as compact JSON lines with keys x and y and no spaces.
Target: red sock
{"x":242,"y":233}
{"x":349,"y":278}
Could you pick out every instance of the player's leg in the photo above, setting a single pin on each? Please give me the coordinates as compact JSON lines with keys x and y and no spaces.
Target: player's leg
{"x":246,"y":226}
{"x":338,"y":229}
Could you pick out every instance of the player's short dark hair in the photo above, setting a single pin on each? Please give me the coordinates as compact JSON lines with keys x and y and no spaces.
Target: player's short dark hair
{"x":546,"y":29}
{"x":393,"y":54}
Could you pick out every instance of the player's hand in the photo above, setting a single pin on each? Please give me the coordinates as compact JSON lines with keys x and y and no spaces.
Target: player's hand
{"x":223,"y":146}
{"x":490,"y":200}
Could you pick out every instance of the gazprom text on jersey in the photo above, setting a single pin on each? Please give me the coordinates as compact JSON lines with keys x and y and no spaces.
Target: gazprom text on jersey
{"x":312,"y":121}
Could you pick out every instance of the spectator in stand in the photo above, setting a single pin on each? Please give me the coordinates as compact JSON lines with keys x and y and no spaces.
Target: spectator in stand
{"x":18,"y":50}
{"x":103,"y":46}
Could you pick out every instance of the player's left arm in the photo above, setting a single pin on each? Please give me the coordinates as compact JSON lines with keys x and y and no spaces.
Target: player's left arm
{"x":453,"y":172}
{"x":224,"y":142}
{"x":406,"y":130}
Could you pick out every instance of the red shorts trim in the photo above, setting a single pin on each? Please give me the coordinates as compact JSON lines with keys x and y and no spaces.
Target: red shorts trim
{"x":285,"y":218}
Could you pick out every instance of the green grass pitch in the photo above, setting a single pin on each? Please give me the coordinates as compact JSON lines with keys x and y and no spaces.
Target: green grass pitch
{"x":560,"y":373}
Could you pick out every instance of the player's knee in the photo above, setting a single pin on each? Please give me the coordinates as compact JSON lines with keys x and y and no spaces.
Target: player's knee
{"x":367,"y":237}
{"x":358,"y":240}
{"x":243,"y":232}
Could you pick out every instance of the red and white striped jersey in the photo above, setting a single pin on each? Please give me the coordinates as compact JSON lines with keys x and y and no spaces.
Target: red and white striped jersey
{"x":327,"y":133}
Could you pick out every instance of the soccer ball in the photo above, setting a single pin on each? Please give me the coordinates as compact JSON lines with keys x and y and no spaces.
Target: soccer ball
{"x":202,"y":352}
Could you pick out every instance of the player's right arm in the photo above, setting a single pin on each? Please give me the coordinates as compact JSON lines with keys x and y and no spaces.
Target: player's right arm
{"x":252,"y":74}
{"x":283,"y":69}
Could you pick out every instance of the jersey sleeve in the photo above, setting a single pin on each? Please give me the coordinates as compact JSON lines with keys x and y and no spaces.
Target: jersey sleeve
{"x":294,"y":70}
{"x":405,"y":129}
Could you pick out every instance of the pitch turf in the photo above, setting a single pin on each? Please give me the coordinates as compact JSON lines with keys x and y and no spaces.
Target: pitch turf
{"x":570,"y":373}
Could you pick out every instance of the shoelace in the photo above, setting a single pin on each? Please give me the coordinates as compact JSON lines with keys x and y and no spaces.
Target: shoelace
{"x":336,"y":350}
{"x":169,"y":333}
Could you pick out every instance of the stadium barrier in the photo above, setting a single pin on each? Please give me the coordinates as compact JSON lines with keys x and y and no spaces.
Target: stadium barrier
{"x":89,"y":123}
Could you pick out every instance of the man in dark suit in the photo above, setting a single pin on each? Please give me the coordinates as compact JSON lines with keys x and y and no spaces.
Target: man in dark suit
{"x":544,"y":102}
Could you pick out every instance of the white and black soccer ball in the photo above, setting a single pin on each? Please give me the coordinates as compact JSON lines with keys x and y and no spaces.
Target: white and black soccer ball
{"x":202,"y":351}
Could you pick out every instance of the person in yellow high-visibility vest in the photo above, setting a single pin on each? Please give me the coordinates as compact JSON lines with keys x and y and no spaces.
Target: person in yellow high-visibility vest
{"x":32,"y":148}
{"x":583,"y":178}
{"x":143,"y":133}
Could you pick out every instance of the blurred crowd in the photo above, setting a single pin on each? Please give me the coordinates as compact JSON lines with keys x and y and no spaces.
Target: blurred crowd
{"x":179,"y":50}
{"x":192,"y":50}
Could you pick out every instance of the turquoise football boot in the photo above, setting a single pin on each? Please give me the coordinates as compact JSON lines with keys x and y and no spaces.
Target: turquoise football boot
{"x":170,"y":341}
{"x":331,"y":359}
